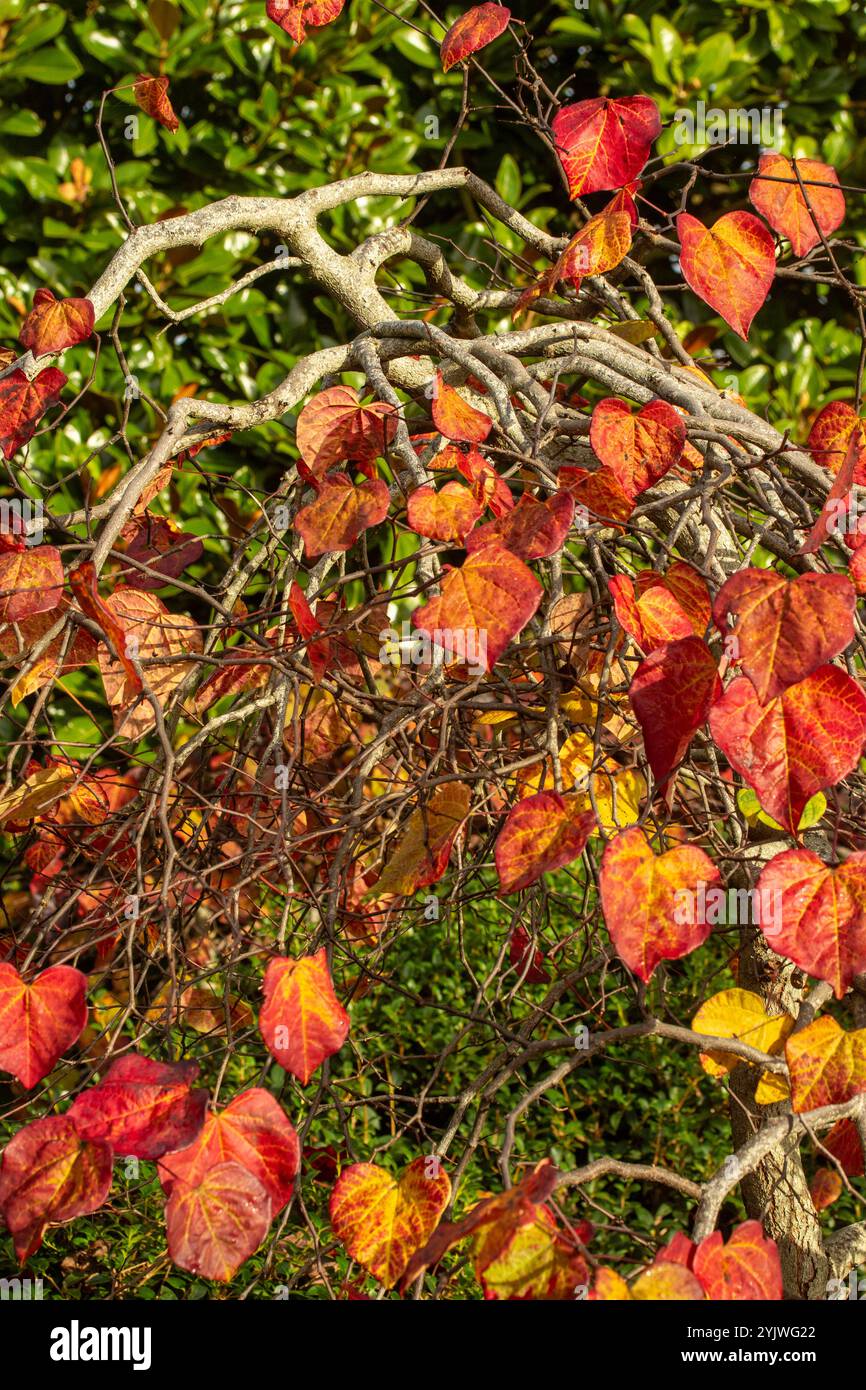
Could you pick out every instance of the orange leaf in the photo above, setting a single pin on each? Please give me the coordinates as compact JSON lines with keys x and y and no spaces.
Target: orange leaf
{"x":596,"y":248}
{"x":16,"y":643}
{"x":638,"y":449}
{"x":151,"y":94}
{"x":819,"y":917}
{"x":55,"y":324}
{"x":302,"y":1020}
{"x":672,"y":693}
{"x":652,"y":619}
{"x":747,"y":1268}
{"x":473,"y":30}
{"x":786,"y":628}
{"x":455,"y":418}
{"x":422,"y":855}
{"x":729,"y":265}
{"x":598,"y":492}
{"x":254,"y":1131}
{"x":784,"y":205}
{"x":153,"y":634}
{"x":23,"y":403}
{"x":446,"y":515}
{"x":50,"y":1175}
{"x":830,"y":438}
{"x":604,"y":142}
{"x":825,"y":1187}
{"x":293,"y":16}
{"x":218,"y":1222}
{"x":539,"y":1261}
{"x":39,"y":1021}
{"x":483,"y":605}
{"x":382,"y":1221}
{"x":40,"y":789}
{"x":826,"y":1064}
{"x":807,"y":739}
{"x":340,"y":513}
{"x":501,"y":1216}
{"x":542,"y":833}
{"x":142,"y":1107}
{"x":334,"y":426}
{"x":31,"y":582}
{"x":652,"y":904}
{"x":533,"y":530}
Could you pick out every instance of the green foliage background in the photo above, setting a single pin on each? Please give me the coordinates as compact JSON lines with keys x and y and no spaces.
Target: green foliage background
{"x":259,"y":117}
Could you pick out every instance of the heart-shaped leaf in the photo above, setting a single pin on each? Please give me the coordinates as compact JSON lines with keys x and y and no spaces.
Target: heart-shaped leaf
{"x":50,"y":1174}
{"x":141,"y":1107}
{"x":785,"y":628}
{"x":23,"y":403}
{"x":604,"y":142}
{"x":638,"y":449}
{"x":213,"y":1225}
{"x":652,"y":902}
{"x":55,"y":324}
{"x":252,"y":1130}
{"x":482,"y":606}
{"x":472,"y":31}
{"x":382,"y":1221}
{"x":672,"y":694}
{"x":542,"y":833}
{"x":39,"y":1021}
{"x":302,"y":1020}
{"x":819,"y":918}
{"x":827,"y":1065}
{"x":807,"y":739}
{"x":729,"y":265}
{"x":777,"y":194}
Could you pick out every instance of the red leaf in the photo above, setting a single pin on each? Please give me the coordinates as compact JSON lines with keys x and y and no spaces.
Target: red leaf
{"x":455,"y":418}
{"x":830,"y":439}
{"x":39,"y":1021}
{"x":293,"y":16}
{"x":473,"y":30}
{"x":729,"y":265}
{"x":335,"y":520}
{"x":542,"y":833}
{"x":334,"y":426}
{"x":651,"y":903}
{"x":218,"y":1222}
{"x":382,"y":1221}
{"x":302,"y":1020}
{"x":50,"y":1175}
{"x":786,"y":628}
{"x":55,"y":324}
{"x":605,"y":142}
{"x":482,"y":606}
{"x":151,"y":94}
{"x":638,"y":449}
{"x":446,"y":515}
{"x":829,"y":518}
{"x":784,"y":205}
{"x":504,"y":1214}
{"x":31,"y":582}
{"x":807,"y":739}
{"x":533,"y":530}
{"x":671,"y":694}
{"x":748,"y":1267}
{"x":252,"y":1130}
{"x":843,"y":1144}
{"x":141,"y":1107}
{"x":529,"y":964}
{"x":819,"y":914}
{"x":156,"y":542}
{"x":23,"y":403}
{"x":82,"y":582}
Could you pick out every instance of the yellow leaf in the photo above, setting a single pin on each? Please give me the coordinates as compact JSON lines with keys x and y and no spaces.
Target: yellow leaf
{"x":740,"y":1014}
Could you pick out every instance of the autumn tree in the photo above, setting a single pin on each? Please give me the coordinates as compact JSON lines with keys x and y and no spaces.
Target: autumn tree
{"x":540,"y":611}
